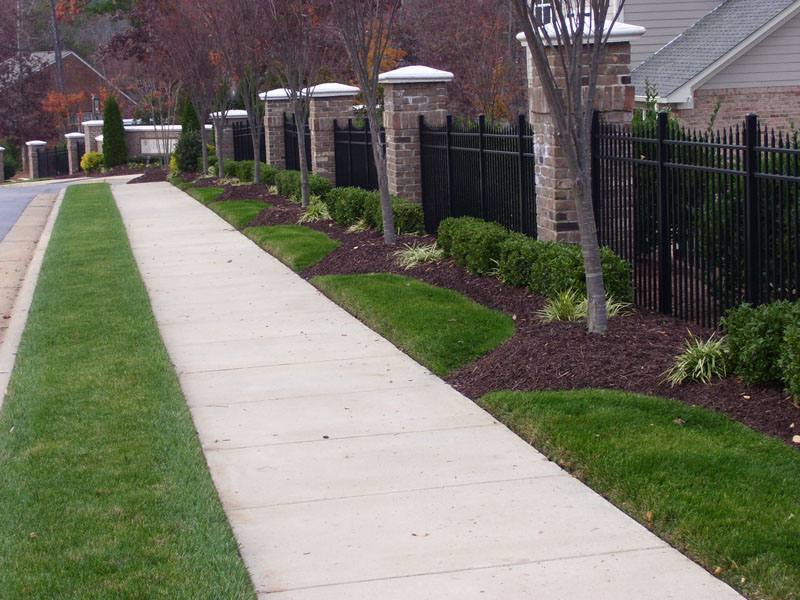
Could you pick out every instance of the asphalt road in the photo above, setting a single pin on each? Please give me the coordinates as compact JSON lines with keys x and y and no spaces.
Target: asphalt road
{"x":15,"y":198}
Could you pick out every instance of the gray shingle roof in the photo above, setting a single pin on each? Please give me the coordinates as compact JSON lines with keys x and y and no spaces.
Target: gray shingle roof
{"x":704,"y":43}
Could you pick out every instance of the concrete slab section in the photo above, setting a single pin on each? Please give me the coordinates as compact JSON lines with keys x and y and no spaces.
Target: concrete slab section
{"x":637,"y":575}
{"x":301,"y":380}
{"x":368,"y":465}
{"x":16,"y":251}
{"x":475,"y":526}
{"x":346,"y":415}
{"x":25,"y":233}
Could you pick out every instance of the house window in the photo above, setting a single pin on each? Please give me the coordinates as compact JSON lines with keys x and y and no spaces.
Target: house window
{"x":543,"y":12}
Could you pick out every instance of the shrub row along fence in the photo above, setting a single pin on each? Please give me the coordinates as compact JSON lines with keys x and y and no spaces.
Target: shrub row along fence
{"x":355,"y":161}
{"x":53,"y":161}
{"x":479,"y":170}
{"x":292,"y":146}
{"x":243,"y":142}
{"x":708,"y":220}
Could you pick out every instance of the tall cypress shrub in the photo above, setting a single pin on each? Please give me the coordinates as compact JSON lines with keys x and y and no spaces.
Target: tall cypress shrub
{"x":114,"y":152}
{"x":189,"y":119}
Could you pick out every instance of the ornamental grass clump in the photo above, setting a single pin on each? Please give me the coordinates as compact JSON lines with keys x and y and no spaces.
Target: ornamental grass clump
{"x":417,"y":254}
{"x":571,"y":305}
{"x":702,"y":361}
{"x":317,"y":211}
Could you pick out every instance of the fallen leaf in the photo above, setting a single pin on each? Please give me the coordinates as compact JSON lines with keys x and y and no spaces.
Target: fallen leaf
{"x":649,"y":515}
{"x":718,"y":570}
{"x":513,"y":317}
{"x":6,"y":316}
{"x":734,"y":565}
{"x":746,"y":397}
{"x":230,"y":260}
{"x":796,"y":439}
{"x":12,"y":429}
{"x":791,"y":426}
{"x":679,"y":421}
{"x":451,"y":320}
{"x":325,"y":437}
{"x":33,"y":535}
{"x":420,"y":534}
{"x":744,"y":579}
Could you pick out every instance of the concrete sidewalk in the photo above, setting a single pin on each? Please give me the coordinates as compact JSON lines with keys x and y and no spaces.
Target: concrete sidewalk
{"x":349,"y":471}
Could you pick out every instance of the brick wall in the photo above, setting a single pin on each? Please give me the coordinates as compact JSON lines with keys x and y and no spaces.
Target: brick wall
{"x":322,"y":115}
{"x":776,"y":107}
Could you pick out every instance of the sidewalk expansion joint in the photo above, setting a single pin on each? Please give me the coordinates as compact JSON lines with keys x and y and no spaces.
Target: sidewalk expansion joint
{"x":284,"y":364}
{"x":403,"y":491}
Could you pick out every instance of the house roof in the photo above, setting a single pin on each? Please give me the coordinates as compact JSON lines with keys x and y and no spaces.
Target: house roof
{"x":705,"y":43}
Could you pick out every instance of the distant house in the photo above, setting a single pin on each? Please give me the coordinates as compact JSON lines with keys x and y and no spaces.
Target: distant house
{"x":744,"y":54}
{"x":79,"y":76}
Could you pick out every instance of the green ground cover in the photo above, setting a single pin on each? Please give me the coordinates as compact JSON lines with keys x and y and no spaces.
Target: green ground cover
{"x":440,"y":328}
{"x":205,"y":195}
{"x":713,"y":488}
{"x":239,"y":213}
{"x":104,"y":487}
{"x":295,"y":245}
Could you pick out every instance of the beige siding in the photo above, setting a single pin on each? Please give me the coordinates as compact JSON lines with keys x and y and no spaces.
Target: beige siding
{"x":664,"y":20}
{"x":775,"y":61}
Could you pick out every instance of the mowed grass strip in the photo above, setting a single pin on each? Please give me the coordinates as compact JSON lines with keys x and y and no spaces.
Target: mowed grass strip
{"x":440,"y":328}
{"x":205,"y":195}
{"x":296,"y":246}
{"x":105,"y":490}
{"x":724,"y":494}
{"x":239,"y":213}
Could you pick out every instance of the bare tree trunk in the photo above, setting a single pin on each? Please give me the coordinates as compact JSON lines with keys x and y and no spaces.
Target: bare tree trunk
{"x":300,"y":124}
{"x":203,"y":147}
{"x":379,"y":154}
{"x":597,"y":318}
{"x":57,"y":45}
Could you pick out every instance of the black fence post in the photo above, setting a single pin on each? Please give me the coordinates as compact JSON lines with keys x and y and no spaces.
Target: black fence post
{"x":595,"y":146}
{"x":482,"y":154}
{"x":367,"y":151}
{"x":523,"y":183}
{"x":448,"y":128}
{"x":752,"y":213}
{"x":664,"y":226}
{"x":350,"y":152}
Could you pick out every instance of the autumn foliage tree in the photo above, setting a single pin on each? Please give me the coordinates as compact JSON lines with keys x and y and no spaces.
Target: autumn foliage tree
{"x":62,"y":107}
{"x":365,"y":27}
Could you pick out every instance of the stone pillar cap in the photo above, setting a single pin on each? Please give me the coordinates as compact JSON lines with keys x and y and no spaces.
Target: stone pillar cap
{"x":1,"y":148}
{"x":99,"y":138}
{"x":415,"y":74}
{"x":276,"y":94}
{"x":620,"y":32}
{"x":230,"y":114}
{"x":36,"y":143}
{"x":75,"y":135}
{"x":330,"y":90}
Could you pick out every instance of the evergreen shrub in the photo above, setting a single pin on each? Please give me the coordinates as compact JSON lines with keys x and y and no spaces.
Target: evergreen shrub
{"x":408,"y":216}
{"x":189,"y":151}
{"x":346,"y":205}
{"x":92,"y":161}
{"x":114,"y":152}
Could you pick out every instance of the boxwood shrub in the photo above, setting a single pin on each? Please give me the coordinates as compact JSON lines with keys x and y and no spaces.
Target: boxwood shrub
{"x":789,"y":359}
{"x":408,"y":216}
{"x":756,"y":338}
{"x":346,"y":204}
{"x":518,"y":252}
{"x":288,"y":183}
{"x":473,"y":243}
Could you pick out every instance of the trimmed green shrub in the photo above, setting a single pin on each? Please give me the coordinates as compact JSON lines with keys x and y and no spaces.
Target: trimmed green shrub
{"x":346,"y":204}
{"x":91,"y":161}
{"x":268,"y":173}
{"x":188,"y":150}
{"x":517,"y":253}
{"x":755,"y":339}
{"x":616,"y":275}
{"x":230,"y":168}
{"x":114,"y":152}
{"x":444,"y":235}
{"x":476,"y":244}
{"x":288,"y":183}
{"x":789,"y":360}
{"x":318,"y":186}
{"x":9,"y":166}
{"x":189,"y":120}
{"x":244,"y":171}
{"x":558,"y":268}
{"x":408,"y":217}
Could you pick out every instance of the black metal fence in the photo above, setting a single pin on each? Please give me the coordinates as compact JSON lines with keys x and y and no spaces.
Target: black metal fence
{"x":479,"y":170}
{"x":708,"y":220}
{"x":81,"y":151}
{"x":291,"y":146}
{"x":53,"y":162}
{"x":355,"y":161}
{"x":243,"y":142}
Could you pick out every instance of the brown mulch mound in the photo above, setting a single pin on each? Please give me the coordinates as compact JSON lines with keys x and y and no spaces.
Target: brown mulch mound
{"x":631,"y":356}
{"x":151,"y":175}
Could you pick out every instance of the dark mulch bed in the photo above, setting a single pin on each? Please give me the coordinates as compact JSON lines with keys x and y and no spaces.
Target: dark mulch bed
{"x":631,"y":356}
{"x":151,"y":175}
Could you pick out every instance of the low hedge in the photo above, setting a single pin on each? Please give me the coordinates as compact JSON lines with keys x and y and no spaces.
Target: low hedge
{"x":546,"y":268}
{"x":346,"y":205}
{"x":408,"y":216}
{"x":288,"y":184}
{"x":243,"y":170}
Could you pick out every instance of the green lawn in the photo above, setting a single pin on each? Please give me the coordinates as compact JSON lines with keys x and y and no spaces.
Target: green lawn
{"x":205,"y":195}
{"x":440,"y":328}
{"x":722,"y":493}
{"x":297,"y":246}
{"x":105,"y":490}
{"x":239,"y":213}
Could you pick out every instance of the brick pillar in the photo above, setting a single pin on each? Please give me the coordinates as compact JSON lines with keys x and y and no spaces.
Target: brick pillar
{"x":276,"y":102}
{"x":91,"y":129}
{"x":2,"y":170}
{"x":223,"y":136}
{"x":329,"y":101}
{"x":408,"y":93}
{"x":73,"y":156}
{"x":33,"y":157}
{"x":556,"y":214}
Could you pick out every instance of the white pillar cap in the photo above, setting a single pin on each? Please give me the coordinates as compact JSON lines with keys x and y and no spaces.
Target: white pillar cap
{"x":74,"y":136}
{"x":276,"y":94}
{"x":36,"y":143}
{"x":330,"y":90}
{"x":620,"y":32}
{"x":415,"y":74}
{"x":1,"y":148}
{"x":230,"y":114}
{"x":99,"y":138}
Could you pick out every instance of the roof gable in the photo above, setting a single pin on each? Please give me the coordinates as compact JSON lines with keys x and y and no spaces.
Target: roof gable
{"x":707,"y":42}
